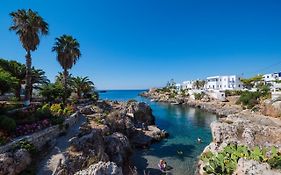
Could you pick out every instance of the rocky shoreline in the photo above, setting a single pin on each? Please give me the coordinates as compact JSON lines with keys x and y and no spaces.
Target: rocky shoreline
{"x":103,"y":143}
{"x":234,"y":126}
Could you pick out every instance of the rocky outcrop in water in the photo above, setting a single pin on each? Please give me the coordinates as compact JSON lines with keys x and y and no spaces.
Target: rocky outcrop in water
{"x":109,"y":136}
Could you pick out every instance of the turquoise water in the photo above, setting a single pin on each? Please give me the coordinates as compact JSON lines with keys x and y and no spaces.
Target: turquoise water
{"x":184,"y":125}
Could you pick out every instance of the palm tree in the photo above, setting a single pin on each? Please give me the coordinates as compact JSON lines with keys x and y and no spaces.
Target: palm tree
{"x":28,"y":25}
{"x":68,"y":53}
{"x":199,"y":84}
{"x":60,"y":79}
{"x":38,"y":78}
{"x":82,"y":85}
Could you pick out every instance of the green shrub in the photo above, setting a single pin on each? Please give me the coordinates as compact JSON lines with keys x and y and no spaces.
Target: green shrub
{"x":24,"y":144}
{"x":7,"y":123}
{"x":198,"y":96}
{"x":249,"y":99}
{"x":225,"y":162}
{"x":232,"y":92}
{"x":3,"y":141}
{"x":57,"y":120}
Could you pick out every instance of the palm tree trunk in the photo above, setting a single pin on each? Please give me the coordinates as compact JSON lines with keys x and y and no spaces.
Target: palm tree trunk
{"x":31,"y":89}
{"x":79,"y":93}
{"x":65,"y":75}
{"x":28,"y":78}
{"x":17,"y":91}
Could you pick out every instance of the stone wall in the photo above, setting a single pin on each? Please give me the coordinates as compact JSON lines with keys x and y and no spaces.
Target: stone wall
{"x":40,"y":138}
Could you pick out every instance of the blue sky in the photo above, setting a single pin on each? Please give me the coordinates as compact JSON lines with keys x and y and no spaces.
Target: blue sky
{"x":136,"y":44}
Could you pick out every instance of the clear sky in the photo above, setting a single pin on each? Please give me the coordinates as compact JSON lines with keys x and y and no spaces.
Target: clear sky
{"x":136,"y":44}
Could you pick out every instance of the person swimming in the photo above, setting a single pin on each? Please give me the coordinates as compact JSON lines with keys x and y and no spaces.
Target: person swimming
{"x":199,"y":140}
{"x":179,"y":152}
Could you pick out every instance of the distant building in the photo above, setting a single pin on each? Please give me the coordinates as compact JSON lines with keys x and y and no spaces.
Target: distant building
{"x":187,"y":84}
{"x":271,"y":79}
{"x":231,"y":82}
{"x":178,"y":86}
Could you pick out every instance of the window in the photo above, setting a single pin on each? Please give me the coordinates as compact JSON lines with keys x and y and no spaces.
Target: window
{"x":238,"y":85}
{"x":267,"y":76}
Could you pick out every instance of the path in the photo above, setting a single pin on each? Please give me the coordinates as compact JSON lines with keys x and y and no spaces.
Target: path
{"x":50,"y":161}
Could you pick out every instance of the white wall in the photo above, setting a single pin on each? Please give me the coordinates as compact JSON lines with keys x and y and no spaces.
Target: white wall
{"x":231,"y":82}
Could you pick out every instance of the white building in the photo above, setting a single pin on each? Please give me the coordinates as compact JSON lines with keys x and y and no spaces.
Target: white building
{"x":178,"y":86}
{"x":187,"y":84}
{"x":271,"y":78}
{"x":231,"y":82}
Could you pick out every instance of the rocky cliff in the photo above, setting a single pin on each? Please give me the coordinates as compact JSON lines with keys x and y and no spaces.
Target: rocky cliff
{"x":106,"y":140}
{"x":247,"y":129}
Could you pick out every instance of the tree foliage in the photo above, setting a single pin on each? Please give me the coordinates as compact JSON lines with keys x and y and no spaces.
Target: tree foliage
{"x":250,"y":82}
{"x":28,"y":25}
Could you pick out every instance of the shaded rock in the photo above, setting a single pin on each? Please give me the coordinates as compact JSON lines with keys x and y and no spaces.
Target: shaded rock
{"x":14,"y":163}
{"x":141,"y":112}
{"x":102,"y":168}
{"x":143,"y":138}
{"x":117,"y":147}
{"x":87,"y":110}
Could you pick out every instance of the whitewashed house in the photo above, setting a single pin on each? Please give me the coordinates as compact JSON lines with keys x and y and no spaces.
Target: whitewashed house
{"x":231,"y":82}
{"x":271,"y":78}
{"x":178,"y":86}
{"x":187,"y":84}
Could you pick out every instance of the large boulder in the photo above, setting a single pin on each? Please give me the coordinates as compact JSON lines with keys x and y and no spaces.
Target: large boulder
{"x":247,"y":129}
{"x":271,"y":108}
{"x":14,"y":163}
{"x":84,"y":151}
{"x":117,"y":147}
{"x":118,"y":121}
{"x":141,"y":112}
{"x":102,"y":168}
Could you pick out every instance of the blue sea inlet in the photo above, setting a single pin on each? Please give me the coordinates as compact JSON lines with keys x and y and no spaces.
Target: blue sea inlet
{"x":184,"y":124}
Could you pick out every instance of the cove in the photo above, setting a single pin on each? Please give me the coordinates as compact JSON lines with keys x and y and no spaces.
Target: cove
{"x":184,"y":124}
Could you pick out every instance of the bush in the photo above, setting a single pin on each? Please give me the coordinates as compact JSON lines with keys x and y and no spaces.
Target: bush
{"x":53,"y":92}
{"x":233,"y":92}
{"x":7,"y":123}
{"x":225,"y":162}
{"x":249,"y":99}
{"x":56,"y":109}
{"x":57,"y":120}
{"x":24,"y":144}
{"x":198,"y":96}
{"x":3,"y":140}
